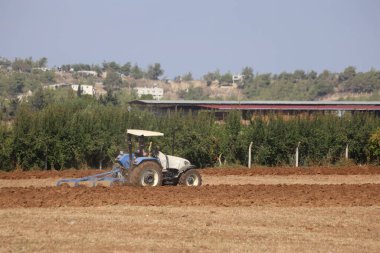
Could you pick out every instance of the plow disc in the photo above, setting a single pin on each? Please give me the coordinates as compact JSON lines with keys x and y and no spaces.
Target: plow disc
{"x":113,"y":176}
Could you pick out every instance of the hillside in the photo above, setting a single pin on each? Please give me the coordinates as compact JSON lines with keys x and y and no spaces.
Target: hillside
{"x":200,"y":90}
{"x":23,"y":77}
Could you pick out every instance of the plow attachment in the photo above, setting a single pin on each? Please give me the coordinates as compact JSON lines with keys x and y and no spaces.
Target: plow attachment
{"x":113,"y":176}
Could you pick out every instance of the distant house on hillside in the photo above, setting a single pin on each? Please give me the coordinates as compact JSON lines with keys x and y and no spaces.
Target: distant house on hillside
{"x":42,"y":69}
{"x":87,"y":72}
{"x":24,"y":97}
{"x":86,"y":89}
{"x":56,"y":86}
{"x":156,"y":92}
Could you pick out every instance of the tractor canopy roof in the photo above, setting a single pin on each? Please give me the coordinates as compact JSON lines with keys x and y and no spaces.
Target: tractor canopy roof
{"x":145,"y":133}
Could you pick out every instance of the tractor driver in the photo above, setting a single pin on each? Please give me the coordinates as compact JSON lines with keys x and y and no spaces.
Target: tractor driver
{"x":141,"y":150}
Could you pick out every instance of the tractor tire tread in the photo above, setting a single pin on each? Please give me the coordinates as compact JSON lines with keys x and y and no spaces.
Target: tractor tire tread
{"x":135,"y":174}
{"x":183,"y":177}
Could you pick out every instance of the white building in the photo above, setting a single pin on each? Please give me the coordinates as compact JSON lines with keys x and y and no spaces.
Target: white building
{"x":56,"y":86}
{"x":87,"y":72}
{"x":24,"y":97}
{"x":156,"y":92}
{"x":86,"y":89}
{"x":42,"y":69}
{"x":237,"y":78}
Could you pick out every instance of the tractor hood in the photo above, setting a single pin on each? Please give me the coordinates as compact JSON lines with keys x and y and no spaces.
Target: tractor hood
{"x":172,"y":162}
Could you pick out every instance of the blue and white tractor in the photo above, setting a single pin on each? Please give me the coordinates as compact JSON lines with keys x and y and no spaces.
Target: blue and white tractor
{"x":146,"y":166}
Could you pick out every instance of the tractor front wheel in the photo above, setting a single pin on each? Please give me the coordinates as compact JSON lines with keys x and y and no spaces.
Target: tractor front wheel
{"x":190,"y":178}
{"x":146,"y":174}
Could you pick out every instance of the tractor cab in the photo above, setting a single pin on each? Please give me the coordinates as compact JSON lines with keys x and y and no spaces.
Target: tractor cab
{"x":142,"y":150}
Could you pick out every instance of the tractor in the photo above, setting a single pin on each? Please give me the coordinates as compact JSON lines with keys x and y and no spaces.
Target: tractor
{"x":145,"y":166}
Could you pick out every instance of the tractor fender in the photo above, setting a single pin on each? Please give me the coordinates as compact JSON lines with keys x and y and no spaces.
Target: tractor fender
{"x":185,"y":168}
{"x":140,"y":160}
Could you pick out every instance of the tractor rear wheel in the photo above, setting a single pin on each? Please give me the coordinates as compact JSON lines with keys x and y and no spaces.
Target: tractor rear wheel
{"x":190,"y":178}
{"x":146,"y":174}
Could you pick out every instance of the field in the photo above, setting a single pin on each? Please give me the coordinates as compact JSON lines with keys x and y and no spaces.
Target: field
{"x":237,"y":210}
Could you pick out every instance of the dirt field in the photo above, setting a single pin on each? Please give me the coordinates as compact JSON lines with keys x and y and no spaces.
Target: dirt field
{"x":277,"y":171}
{"x":229,"y":180}
{"x":237,"y":210}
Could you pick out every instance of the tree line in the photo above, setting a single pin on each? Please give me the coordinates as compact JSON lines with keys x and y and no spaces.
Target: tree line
{"x":80,"y":132}
{"x":153,"y":72}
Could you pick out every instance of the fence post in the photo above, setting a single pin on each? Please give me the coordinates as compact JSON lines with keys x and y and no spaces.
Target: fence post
{"x":249,"y":155}
{"x":297,"y":153}
{"x":347,"y":151}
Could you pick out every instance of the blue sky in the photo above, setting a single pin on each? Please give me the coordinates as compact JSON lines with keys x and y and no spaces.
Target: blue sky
{"x":196,"y":36}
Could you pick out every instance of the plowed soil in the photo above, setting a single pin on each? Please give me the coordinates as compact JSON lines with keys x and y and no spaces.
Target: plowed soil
{"x":39,"y":174}
{"x":227,"y":180}
{"x":221,"y":195}
{"x":285,"y":171}
{"x":260,"y":171}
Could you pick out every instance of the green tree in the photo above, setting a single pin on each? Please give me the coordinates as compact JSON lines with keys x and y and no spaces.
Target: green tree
{"x":79,"y":91}
{"x":231,"y":143}
{"x":22,"y":65}
{"x":17,"y":84}
{"x":126,"y":69}
{"x":193,"y":93}
{"x":111,"y":66}
{"x":98,"y":69}
{"x":348,"y":73}
{"x":154,"y":71}
{"x":113,"y":81}
{"x":187,"y":77}
{"x":247,"y":72}
{"x":6,"y":147}
{"x":40,"y":99}
{"x":299,"y":75}
{"x":109,"y":99}
{"x":81,"y":66}
{"x":226,"y":78}
{"x":42,"y":63}
{"x":136,"y":72}
{"x":146,"y":97}
{"x":374,"y":147}
{"x":312,"y":75}
{"x":325,"y":75}
{"x":212,"y":76}
{"x":5,"y":63}
{"x":125,"y":96}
